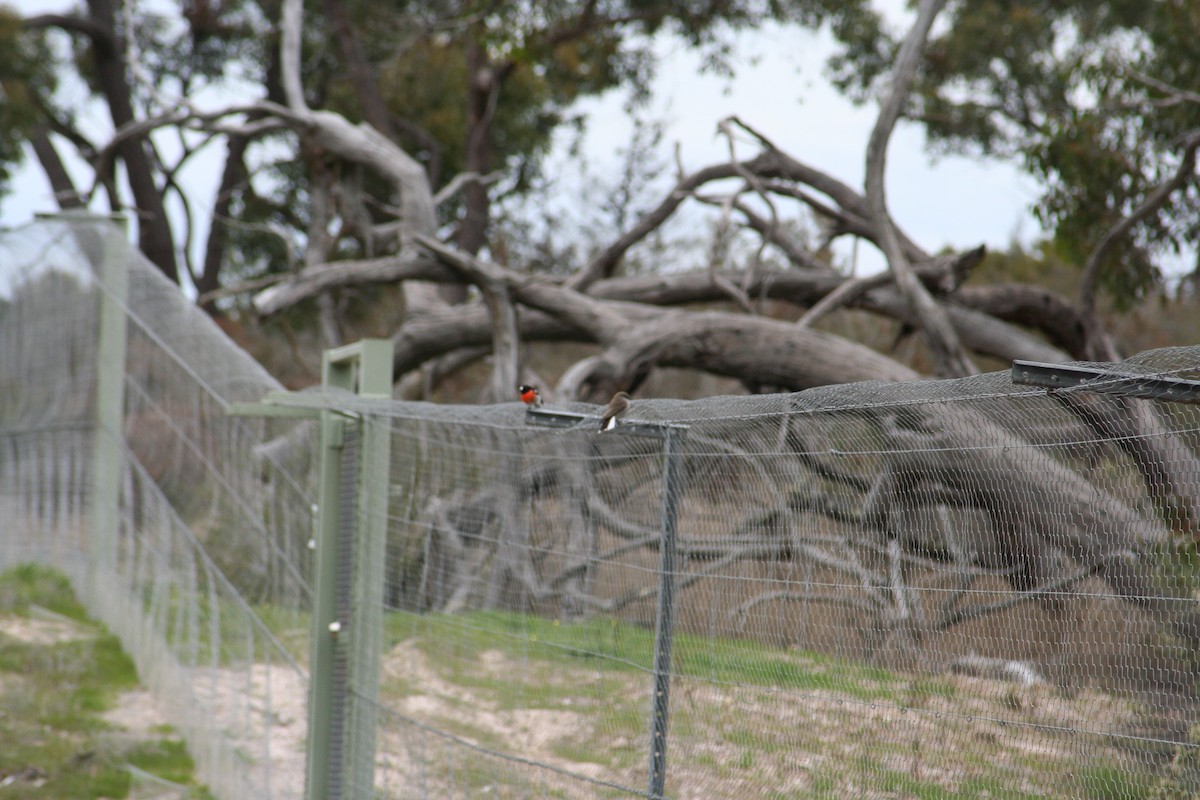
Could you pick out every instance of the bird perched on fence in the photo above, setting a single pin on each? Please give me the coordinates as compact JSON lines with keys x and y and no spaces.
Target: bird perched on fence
{"x":530,"y":396}
{"x":615,"y":409}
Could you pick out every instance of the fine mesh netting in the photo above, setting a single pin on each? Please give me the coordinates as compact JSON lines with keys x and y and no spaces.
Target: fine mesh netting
{"x":948,"y":589}
{"x":206,"y":581}
{"x":881,"y":590}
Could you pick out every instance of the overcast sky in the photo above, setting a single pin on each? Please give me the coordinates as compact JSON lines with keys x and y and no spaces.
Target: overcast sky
{"x":779,"y":89}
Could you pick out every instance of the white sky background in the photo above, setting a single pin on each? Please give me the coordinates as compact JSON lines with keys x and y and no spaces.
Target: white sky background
{"x":780,"y":90}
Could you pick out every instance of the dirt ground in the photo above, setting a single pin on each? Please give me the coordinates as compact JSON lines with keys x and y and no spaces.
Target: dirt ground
{"x":738,"y":740}
{"x":726,"y":740}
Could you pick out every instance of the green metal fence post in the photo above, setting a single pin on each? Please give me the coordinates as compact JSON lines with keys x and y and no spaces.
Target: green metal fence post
{"x":351,"y":544}
{"x":325,"y":625}
{"x":110,"y":406}
{"x":347,"y":612}
{"x":373,"y":358}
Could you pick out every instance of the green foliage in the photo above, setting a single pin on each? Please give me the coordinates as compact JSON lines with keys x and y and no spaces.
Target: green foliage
{"x":543,"y":58}
{"x":1042,"y":264}
{"x":26,"y":70}
{"x":1080,"y":94}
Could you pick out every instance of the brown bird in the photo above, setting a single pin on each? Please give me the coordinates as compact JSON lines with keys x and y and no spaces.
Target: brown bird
{"x":615,"y":409}
{"x":530,"y":396}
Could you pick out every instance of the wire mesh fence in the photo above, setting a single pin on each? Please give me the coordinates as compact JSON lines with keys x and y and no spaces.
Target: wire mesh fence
{"x":205,"y":582}
{"x":880,"y":590}
{"x":950,"y":588}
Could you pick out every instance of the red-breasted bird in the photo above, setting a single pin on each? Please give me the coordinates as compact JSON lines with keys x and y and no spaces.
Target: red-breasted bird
{"x":615,"y":409}
{"x":530,"y":396}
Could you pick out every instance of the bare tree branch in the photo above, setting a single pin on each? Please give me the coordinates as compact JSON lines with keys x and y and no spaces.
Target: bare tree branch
{"x":1049,"y":588}
{"x":494,"y":284}
{"x":737,"y":346}
{"x":72,"y":23}
{"x":855,"y":288}
{"x":771,"y":233}
{"x":602,"y":265}
{"x":948,"y":354}
{"x":1034,"y":307}
{"x":460,"y":180}
{"x":586,"y":313}
{"x":359,"y":144}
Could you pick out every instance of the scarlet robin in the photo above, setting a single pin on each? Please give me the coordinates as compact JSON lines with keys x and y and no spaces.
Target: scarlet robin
{"x":530,"y":396}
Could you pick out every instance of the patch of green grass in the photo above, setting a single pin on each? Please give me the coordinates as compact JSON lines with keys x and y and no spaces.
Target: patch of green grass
{"x":617,"y":645}
{"x":165,"y":758}
{"x":744,"y":737}
{"x":1109,"y":783}
{"x":53,"y":736}
{"x":614,"y":645}
{"x":748,"y":662}
{"x":34,"y":585}
{"x":876,"y":779}
{"x":483,"y":776}
{"x":624,"y":716}
{"x":920,"y":689}
{"x":291,"y":626}
{"x":585,"y":753}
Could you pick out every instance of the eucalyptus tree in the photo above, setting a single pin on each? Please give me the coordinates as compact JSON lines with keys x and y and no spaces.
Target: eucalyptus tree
{"x":1096,"y":101}
{"x":365,"y":146}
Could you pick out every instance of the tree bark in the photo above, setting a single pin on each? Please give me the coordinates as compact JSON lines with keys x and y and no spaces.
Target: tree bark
{"x":1040,"y":507}
{"x":65,"y":193}
{"x":234,"y":173}
{"x":1032,"y":307}
{"x":154,"y":227}
{"x":607,"y":323}
{"x":359,"y":144}
{"x":312,"y":281}
{"x":1170,"y":469}
{"x":752,"y":349}
{"x":497,"y":296}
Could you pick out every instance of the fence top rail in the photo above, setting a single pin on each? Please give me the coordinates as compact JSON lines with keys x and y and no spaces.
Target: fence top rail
{"x":1092,"y":379}
{"x":546,"y":418}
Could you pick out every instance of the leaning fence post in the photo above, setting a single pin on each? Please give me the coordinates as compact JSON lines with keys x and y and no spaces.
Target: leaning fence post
{"x":672,"y":436}
{"x":664,"y":628}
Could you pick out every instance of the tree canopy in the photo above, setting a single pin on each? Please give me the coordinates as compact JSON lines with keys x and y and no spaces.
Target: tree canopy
{"x":1094,"y":99}
{"x":361,"y":142}
{"x":368,"y":147}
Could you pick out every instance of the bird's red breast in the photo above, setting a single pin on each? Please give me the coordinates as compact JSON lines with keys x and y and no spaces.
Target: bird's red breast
{"x":529,"y":394}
